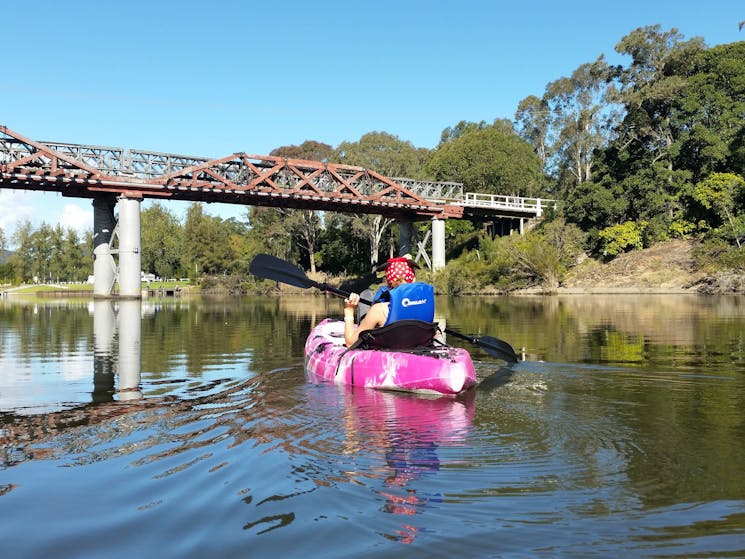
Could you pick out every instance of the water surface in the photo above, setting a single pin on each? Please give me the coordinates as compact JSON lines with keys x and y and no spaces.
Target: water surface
{"x":186,"y":428}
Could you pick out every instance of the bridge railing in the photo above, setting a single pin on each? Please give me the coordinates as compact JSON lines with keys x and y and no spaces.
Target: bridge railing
{"x":129,"y":162}
{"x":496,"y":201}
{"x":442,"y":192}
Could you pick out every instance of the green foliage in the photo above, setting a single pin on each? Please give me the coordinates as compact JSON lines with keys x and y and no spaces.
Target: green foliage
{"x":538,"y":258}
{"x":383,"y":153}
{"x":489,"y":160}
{"x":160,"y":245}
{"x":713,"y":254}
{"x":596,"y":204}
{"x":309,"y":150}
{"x":621,"y":238}
{"x":205,"y":247}
{"x":719,"y":192}
{"x":657,"y":230}
{"x":342,"y":252}
{"x":463,"y":274}
{"x":680,"y":228}
{"x":49,"y":254}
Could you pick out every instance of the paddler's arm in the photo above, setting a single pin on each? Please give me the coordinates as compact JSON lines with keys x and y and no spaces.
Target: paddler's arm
{"x":373,"y":319}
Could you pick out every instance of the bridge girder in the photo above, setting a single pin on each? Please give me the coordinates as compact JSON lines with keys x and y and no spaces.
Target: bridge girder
{"x":239,"y":178}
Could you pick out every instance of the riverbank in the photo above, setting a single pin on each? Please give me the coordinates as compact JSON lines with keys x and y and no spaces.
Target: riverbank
{"x":667,"y":267}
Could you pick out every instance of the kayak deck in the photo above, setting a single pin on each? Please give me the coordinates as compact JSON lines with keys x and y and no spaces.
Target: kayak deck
{"x":442,"y":370}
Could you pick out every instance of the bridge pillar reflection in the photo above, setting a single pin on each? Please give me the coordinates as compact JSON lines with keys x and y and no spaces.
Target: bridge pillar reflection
{"x":129,"y":326}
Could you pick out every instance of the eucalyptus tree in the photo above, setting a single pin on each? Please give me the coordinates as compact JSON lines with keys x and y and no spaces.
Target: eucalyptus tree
{"x":268,"y":233}
{"x":650,"y":88}
{"x":533,"y":122}
{"x":583,"y":117}
{"x":304,"y":226}
{"x":634,"y":171}
{"x":389,"y":156}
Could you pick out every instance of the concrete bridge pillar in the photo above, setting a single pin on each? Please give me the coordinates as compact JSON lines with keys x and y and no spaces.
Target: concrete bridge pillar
{"x":438,"y":244}
{"x":406,"y":235}
{"x":125,"y":269}
{"x":130,"y":258}
{"x":104,"y":267}
{"x":407,"y":239}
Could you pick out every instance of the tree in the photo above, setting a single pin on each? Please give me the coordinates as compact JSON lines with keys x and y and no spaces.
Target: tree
{"x":268,"y":233}
{"x":533,"y":120}
{"x":490,"y":160}
{"x":22,"y":258}
{"x":76,"y":262}
{"x":719,"y":192}
{"x":343,"y":251}
{"x":582,"y":117}
{"x":160,"y":240}
{"x":383,"y":153}
{"x":205,"y":245}
{"x":389,"y":156}
{"x":596,"y":204}
{"x":650,"y":87}
{"x":309,"y":150}
{"x":709,"y":113}
{"x":304,"y":225}
{"x":55,"y":242}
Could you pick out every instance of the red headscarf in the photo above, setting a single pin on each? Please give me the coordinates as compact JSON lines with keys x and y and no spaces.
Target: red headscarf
{"x":399,"y":269}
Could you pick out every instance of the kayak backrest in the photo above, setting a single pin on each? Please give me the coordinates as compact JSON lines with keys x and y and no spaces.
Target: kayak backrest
{"x":403,"y":334}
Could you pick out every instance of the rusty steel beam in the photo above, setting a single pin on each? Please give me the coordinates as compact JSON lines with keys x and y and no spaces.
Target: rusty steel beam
{"x":84,"y":171}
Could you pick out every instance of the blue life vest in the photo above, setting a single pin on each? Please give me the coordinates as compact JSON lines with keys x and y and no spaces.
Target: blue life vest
{"x":411,"y":301}
{"x":382,"y":295}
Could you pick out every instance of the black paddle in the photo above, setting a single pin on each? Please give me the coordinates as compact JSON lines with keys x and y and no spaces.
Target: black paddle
{"x":270,"y":267}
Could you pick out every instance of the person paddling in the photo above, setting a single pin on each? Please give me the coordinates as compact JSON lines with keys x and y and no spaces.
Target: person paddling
{"x":401,"y":299}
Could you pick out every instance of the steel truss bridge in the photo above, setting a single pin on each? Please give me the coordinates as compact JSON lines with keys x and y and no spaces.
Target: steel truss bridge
{"x":86,"y":171}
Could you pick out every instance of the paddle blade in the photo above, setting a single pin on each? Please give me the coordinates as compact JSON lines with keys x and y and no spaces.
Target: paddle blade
{"x":493,"y":346}
{"x":497,"y":348}
{"x":266,"y":266}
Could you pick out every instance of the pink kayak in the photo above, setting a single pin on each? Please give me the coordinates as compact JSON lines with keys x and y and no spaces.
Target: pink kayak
{"x":439,"y":370}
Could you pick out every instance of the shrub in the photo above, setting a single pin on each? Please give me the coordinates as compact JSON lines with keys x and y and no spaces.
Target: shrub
{"x":621,"y":238}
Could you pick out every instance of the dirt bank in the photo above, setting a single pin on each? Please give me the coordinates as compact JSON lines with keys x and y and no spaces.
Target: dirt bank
{"x":664,"y":268}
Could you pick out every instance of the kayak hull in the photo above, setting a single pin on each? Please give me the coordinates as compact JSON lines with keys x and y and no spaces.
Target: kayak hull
{"x":445,"y":370}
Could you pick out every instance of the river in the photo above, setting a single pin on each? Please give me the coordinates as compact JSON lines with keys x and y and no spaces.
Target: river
{"x":187,"y":428}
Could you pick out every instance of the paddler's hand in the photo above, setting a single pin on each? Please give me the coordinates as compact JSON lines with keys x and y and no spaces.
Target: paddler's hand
{"x":352,"y":301}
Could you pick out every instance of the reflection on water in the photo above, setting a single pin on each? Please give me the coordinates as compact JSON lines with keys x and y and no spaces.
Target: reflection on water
{"x":192,"y":425}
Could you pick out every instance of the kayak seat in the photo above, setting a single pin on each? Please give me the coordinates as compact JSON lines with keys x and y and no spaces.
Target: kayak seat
{"x":402,"y":334}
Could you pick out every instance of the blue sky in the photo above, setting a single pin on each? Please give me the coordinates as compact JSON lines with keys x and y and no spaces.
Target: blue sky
{"x":213,"y":78}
